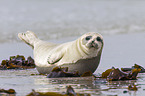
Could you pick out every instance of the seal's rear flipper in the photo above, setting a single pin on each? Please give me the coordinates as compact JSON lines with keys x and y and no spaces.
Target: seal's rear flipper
{"x":29,"y":38}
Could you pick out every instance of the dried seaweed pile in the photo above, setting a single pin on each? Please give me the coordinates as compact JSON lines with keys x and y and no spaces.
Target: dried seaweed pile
{"x":17,"y":62}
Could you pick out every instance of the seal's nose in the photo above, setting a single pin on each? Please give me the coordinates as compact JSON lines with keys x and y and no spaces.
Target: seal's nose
{"x":93,"y":41}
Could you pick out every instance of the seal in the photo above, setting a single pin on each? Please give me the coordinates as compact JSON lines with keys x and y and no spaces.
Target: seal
{"x":80,"y":55}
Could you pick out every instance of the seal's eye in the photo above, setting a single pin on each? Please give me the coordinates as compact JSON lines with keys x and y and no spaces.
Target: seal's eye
{"x":88,"y":37}
{"x":98,"y":39}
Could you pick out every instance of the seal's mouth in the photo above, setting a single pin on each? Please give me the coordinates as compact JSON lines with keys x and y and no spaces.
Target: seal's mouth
{"x":94,"y":45}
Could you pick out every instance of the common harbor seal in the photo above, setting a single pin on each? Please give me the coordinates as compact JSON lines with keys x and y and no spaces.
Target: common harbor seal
{"x":80,"y":55}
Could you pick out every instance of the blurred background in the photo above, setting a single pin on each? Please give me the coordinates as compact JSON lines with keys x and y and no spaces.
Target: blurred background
{"x":56,"y":19}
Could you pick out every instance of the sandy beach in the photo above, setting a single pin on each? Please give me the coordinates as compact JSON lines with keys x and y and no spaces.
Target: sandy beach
{"x":123,"y":50}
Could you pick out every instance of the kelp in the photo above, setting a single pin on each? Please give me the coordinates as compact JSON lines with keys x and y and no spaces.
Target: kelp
{"x":115,"y":74}
{"x":136,"y":66}
{"x":107,"y":72}
{"x":58,"y":72}
{"x":69,"y":92}
{"x":17,"y":62}
{"x":132,"y":88}
{"x":10,"y":92}
{"x":61,"y":72}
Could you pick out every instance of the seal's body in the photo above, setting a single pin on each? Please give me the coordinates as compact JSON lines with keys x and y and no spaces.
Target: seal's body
{"x":82,"y":54}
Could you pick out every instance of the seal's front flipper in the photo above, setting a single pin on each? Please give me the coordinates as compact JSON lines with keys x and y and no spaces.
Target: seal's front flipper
{"x":54,"y":58}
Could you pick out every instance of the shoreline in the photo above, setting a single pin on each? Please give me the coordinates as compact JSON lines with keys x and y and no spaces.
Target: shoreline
{"x":118,"y":51}
{"x":122,"y":50}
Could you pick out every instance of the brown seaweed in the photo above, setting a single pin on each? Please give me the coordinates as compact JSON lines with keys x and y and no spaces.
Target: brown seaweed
{"x":89,"y":73}
{"x":34,"y":93}
{"x":8,"y":92}
{"x":116,"y":74}
{"x":17,"y":62}
{"x":69,"y":92}
{"x":107,"y":72}
{"x":133,"y":67}
{"x":132,"y":88}
{"x":63,"y":72}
